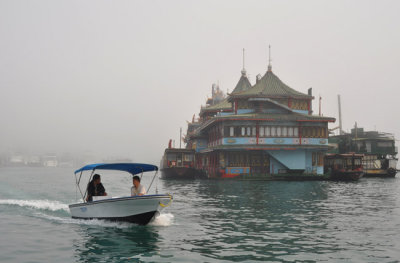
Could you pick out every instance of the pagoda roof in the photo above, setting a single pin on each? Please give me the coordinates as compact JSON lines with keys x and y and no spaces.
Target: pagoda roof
{"x":243,"y":84}
{"x":223,"y":105}
{"x":271,"y":86}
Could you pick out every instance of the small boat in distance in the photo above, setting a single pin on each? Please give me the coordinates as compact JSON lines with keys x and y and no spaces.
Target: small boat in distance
{"x":344,"y":167}
{"x":178,"y":163}
{"x":136,"y":209}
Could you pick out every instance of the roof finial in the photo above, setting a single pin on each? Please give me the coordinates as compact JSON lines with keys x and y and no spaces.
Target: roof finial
{"x":269,"y":59}
{"x":243,"y":70}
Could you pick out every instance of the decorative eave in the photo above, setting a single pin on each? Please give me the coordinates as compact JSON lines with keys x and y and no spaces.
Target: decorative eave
{"x":223,"y":106}
{"x":297,"y":117}
{"x":272,"y":102}
{"x":232,"y":97}
{"x":274,"y":147}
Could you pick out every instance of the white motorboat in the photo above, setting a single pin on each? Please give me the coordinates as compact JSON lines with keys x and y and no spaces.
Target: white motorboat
{"x":136,"y":209}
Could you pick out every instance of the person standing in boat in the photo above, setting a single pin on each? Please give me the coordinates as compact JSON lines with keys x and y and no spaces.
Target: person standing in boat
{"x":95,"y":188}
{"x":137,"y":188}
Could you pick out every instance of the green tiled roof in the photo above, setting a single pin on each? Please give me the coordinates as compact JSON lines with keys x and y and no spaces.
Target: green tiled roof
{"x":271,"y":85}
{"x":243,"y":84}
{"x":223,"y":105}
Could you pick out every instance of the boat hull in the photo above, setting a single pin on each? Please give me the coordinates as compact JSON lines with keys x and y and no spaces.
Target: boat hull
{"x":346,"y":175}
{"x":136,"y":209}
{"x":391,"y":172}
{"x":181,"y":173}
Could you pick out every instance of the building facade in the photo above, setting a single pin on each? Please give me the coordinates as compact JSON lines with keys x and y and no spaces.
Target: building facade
{"x":261,"y":130}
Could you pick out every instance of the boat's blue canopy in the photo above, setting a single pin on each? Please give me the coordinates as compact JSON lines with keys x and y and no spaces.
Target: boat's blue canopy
{"x":133,"y":168}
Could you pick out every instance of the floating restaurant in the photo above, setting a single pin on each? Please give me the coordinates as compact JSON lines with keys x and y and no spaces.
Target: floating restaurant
{"x":262,"y":130}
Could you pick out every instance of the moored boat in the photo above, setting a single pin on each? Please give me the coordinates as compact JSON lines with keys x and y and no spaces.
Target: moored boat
{"x":344,"y":167}
{"x":379,"y":150}
{"x":136,"y":209}
{"x":179,"y":164}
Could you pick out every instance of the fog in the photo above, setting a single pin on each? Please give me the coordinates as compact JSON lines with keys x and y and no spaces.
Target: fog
{"x":119,"y":78}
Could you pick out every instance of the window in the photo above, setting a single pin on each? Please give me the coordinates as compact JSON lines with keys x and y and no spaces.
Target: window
{"x":296,"y":132}
{"x":305,"y":132}
{"x":385,"y":144}
{"x":243,"y":131}
{"x":254,"y":131}
{"x":279,"y":131}
{"x":261,"y":131}
{"x":273,"y":131}
{"x":290,"y":131}
{"x":267,"y":131}
{"x":284,"y":131}
{"x":171,"y":157}
{"x":248,"y":131}
{"x":231,"y":131}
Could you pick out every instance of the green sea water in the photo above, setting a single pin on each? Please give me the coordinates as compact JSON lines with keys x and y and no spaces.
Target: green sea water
{"x":209,"y":221}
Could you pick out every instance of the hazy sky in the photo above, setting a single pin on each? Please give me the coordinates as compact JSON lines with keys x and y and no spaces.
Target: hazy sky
{"x":119,"y":78}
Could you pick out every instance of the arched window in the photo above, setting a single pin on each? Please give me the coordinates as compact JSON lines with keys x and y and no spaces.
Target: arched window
{"x":290,"y":131}
{"x":267,"y":131}
{"x":261,"y":131}
{"x":273,"y":131}
{"x":231,"y":131}
{"x":296,"y":132}
{"x":284,"y":131}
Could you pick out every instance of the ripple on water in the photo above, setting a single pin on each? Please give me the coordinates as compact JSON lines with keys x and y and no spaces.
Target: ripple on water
{"x":213,"y":221}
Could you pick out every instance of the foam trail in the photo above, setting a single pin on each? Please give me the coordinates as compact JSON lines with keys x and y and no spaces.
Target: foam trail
{"x":91,"y":222}
{"x":163,"y":220}
{"x":37,"y":204}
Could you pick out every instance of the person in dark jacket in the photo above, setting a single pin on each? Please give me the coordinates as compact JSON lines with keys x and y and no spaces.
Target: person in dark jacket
{"x":95,"y":188}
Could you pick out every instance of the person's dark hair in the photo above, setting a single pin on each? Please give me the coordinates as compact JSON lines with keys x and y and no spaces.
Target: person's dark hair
{"x":95,"y":177}
{"x":136,"y":178}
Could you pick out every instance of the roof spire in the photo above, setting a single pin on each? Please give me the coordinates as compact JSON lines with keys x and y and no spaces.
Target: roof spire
{"x":269,"y":59}
{"x":243,"y":70}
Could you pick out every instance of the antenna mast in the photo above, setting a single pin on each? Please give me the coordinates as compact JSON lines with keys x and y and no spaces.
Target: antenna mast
{"x":243,"y":70}
{"x":320,"y":105}
{"x":269,"y":58}
{"x":180,"y":138}
{"x":340,"y":117}
{"x":243,"y":58}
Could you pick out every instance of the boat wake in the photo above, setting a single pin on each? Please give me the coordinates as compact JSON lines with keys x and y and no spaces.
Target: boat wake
{"x":91,"y":222}
{"x":163,"y":220}
{"x":55,"y":206}
{"x":36,"y":204}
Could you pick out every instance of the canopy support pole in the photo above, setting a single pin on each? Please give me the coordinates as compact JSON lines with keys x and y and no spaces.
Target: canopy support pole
{"x":77,"y":186}
{"x":152,"y":180}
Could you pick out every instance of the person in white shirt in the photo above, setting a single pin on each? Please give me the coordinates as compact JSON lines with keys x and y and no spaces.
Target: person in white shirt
{"x":137,"y":188}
